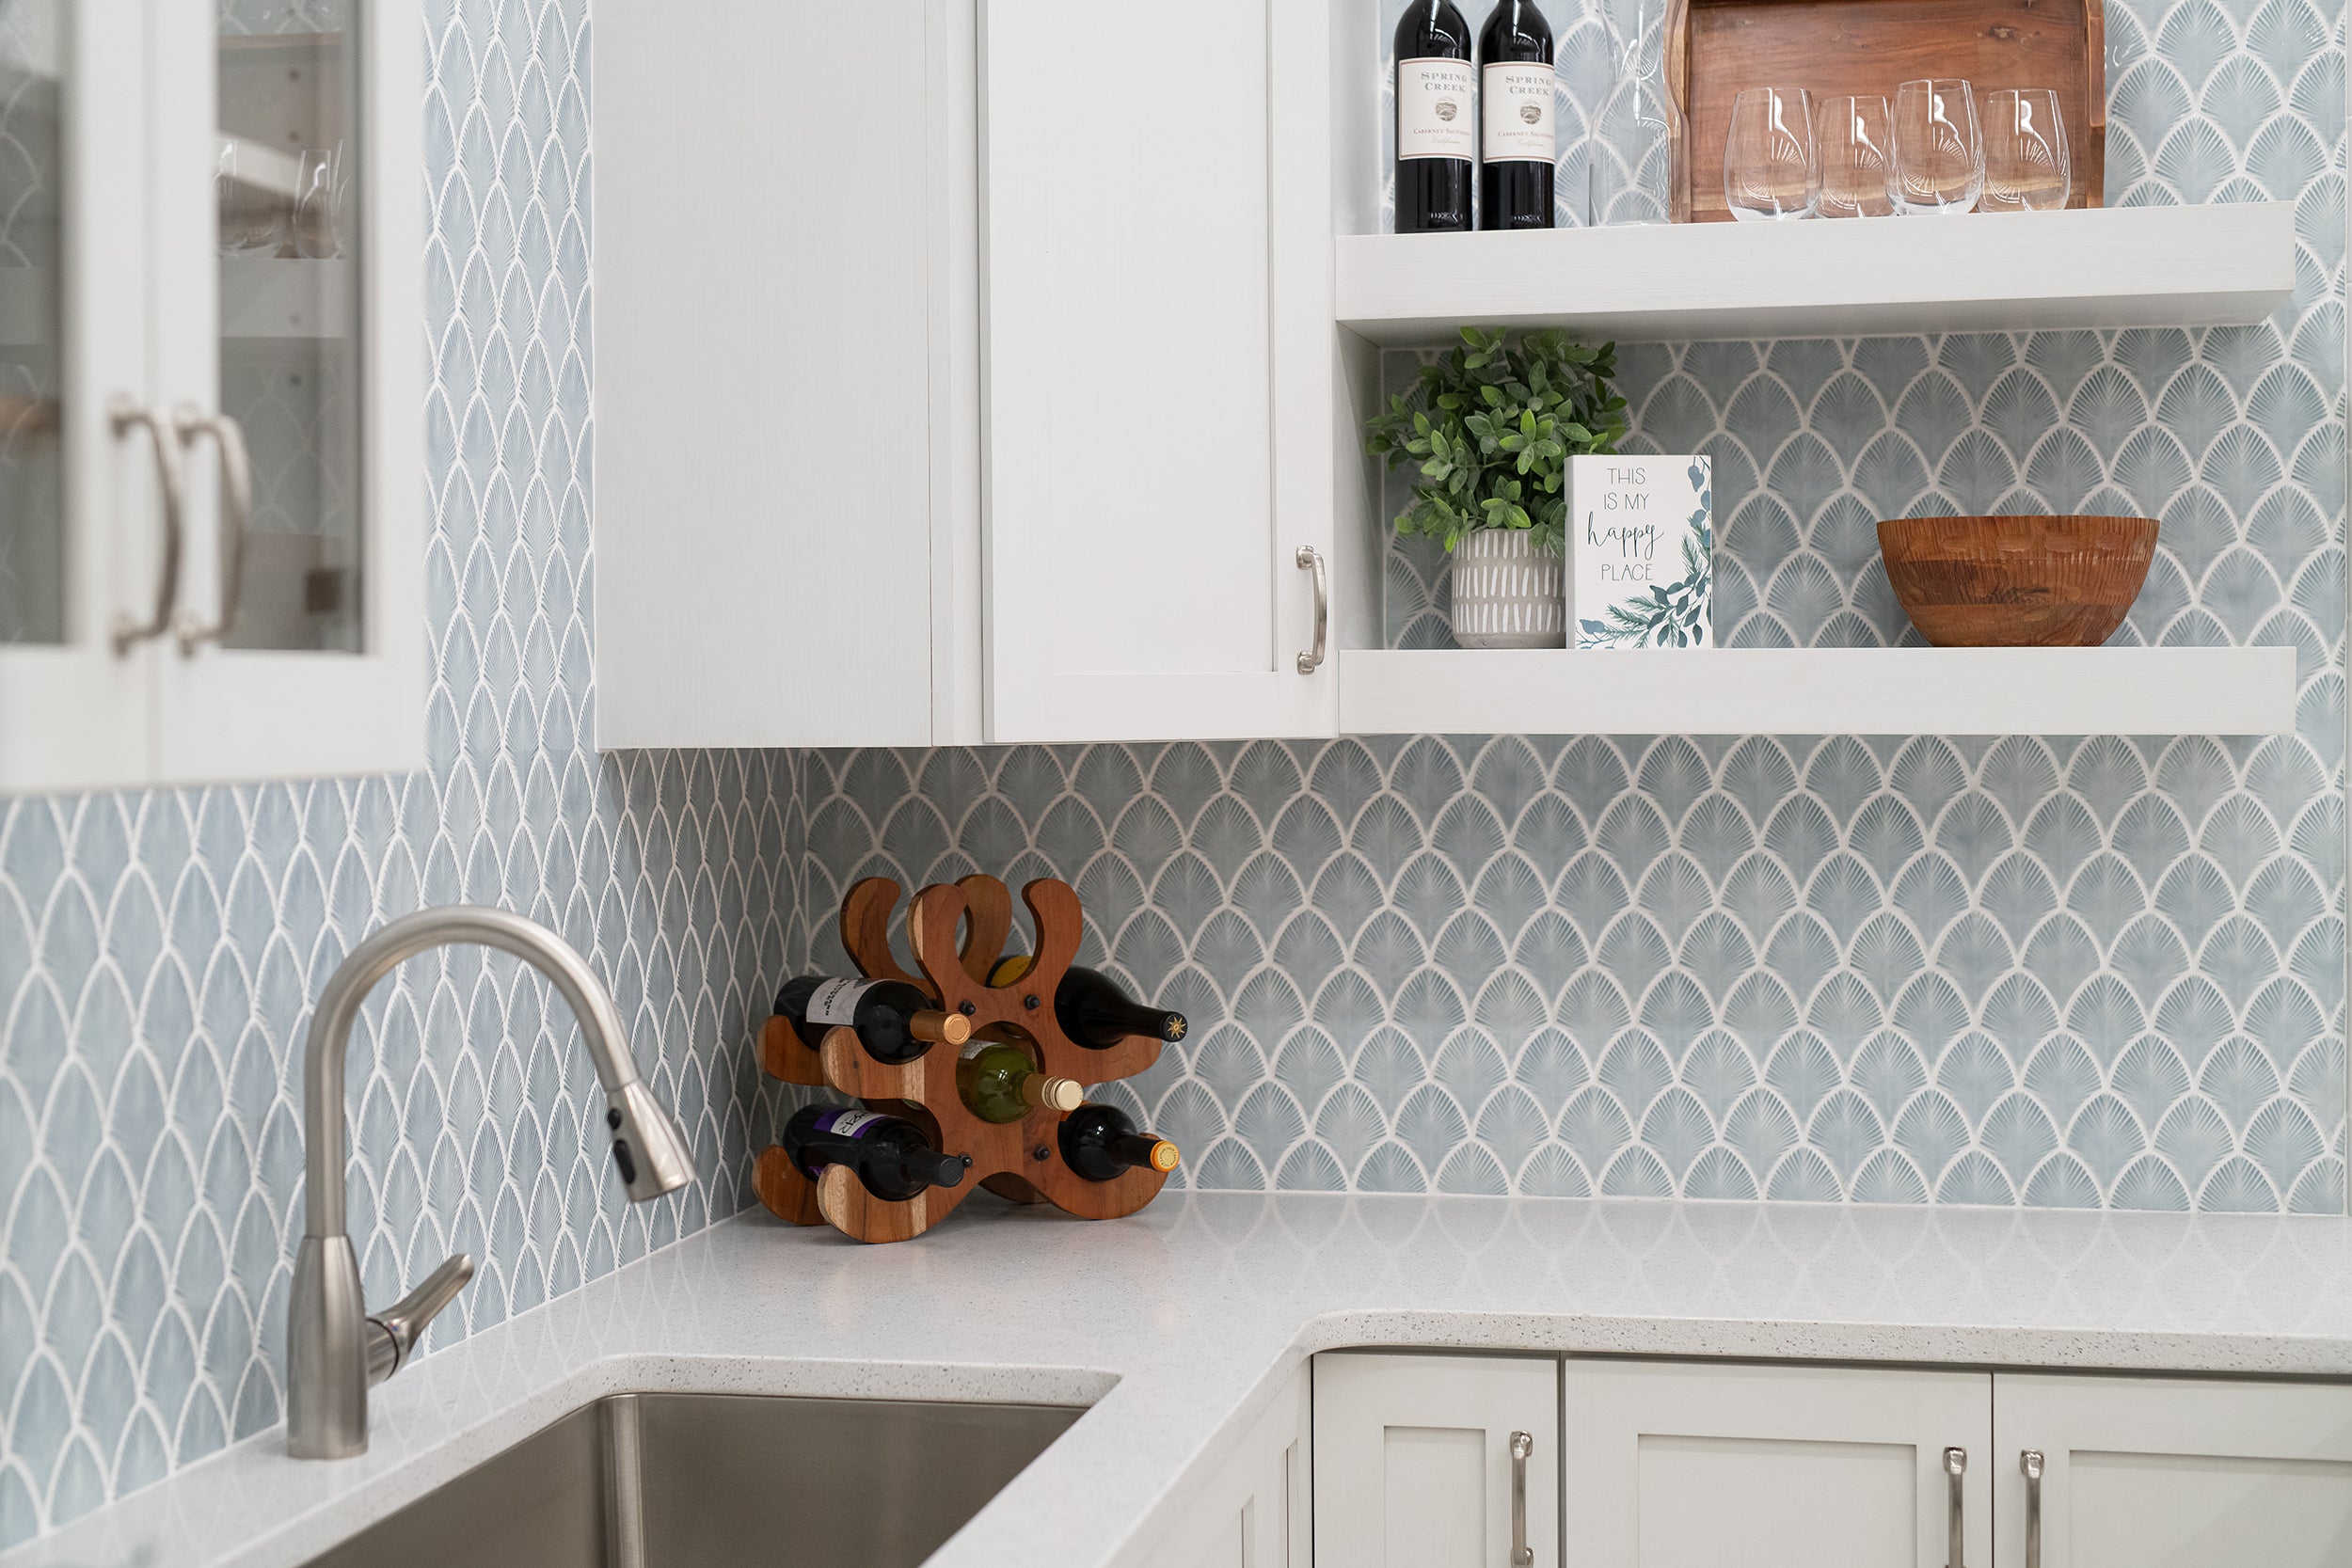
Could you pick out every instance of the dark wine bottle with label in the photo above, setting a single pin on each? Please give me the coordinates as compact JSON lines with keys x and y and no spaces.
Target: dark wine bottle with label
{"x":1515,"y":130}
{"x":1098,"y":1142}
{"x":890,"y":1155}
{"x":894,"y":1021}
{"x":1437,"y":119}
{"x":1092,"y":1011}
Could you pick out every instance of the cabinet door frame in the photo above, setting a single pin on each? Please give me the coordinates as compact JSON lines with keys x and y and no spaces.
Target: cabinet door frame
{"x":2061,"y":1413}
{"x":1610,"y":1405}
{"x":230,"y":714}
{"x":1029,"y":339}
{"x":1358,"y":1395}
{"x":1263,"y":1486}
{"x":77,"y":713}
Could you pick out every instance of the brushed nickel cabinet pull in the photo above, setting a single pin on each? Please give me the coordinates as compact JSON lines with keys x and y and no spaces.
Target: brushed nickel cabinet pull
{"x":122,"y":414}
{"x":1523,"y":1444}
{"x":1955,"y":1467}
{"x":1311,"y":560}
{"x":236,"y":512}
{"x":2031,"y":1463}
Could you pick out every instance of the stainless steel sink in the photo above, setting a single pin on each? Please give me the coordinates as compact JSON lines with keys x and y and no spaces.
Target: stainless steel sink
{"x":727,"y":1480}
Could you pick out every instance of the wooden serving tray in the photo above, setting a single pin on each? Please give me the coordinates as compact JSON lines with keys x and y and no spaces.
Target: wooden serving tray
{"x":1714,"y":48}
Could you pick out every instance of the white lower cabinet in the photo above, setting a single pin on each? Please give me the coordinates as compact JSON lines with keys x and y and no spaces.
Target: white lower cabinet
{"x":1253,"y":1512}
{"x":1694,"y":1465}
{"x":2144,"y":1472}
{"x":1415,"y":1463}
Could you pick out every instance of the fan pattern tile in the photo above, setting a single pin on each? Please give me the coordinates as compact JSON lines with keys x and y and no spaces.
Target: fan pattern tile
{"x":2101,"y":972}
{"x":158,"y":950}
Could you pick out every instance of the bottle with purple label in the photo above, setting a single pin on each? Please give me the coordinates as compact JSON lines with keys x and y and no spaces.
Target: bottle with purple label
{"x":892,"y":1020}
{"x":891,"y":1156}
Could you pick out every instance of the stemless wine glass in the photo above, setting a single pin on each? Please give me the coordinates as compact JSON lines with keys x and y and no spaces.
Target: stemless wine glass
{"x":1939,"y":152}
{"x":1770,"y":169}
{"x":1850,"y":133}
{"x":2025,"y":166}
{"x":249,"y":212}
{"x":317,"y":214}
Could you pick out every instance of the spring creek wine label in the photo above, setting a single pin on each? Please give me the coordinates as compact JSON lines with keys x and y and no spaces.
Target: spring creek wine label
{"x":1436,"y":109}
{"x":1518,"y":114}
{"x":836,"y":1001}
{"x":1642,"y":552}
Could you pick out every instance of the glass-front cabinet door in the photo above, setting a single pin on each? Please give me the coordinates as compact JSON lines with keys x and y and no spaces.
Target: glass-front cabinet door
{"x":85,"y":580}
{"x":212,"y":484}
{"x":287,"y":229}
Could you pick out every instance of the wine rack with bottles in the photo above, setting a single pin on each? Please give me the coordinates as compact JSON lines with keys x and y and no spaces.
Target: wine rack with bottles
{"x":958,"y":933}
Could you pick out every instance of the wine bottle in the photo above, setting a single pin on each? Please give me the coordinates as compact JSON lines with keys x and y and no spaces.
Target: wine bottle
{"x":1091,"y":1009}
{"x":1098,"y":1142}
{"x":1436,"y":115}
{"x":1516,"y":145}
{"x":999,"y":1081}
{"x":894,"y":1021}
{"x":890,"y":1155}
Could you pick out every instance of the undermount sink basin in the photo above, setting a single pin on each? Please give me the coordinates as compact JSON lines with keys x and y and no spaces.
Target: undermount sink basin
{"x":720,"y":1481}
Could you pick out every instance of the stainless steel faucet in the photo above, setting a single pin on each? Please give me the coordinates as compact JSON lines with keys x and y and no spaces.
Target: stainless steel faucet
{"x":336,"y":1349}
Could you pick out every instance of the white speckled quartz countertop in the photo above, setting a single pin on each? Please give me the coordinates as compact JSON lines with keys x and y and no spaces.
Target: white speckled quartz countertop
{"x":1180,"y":1324}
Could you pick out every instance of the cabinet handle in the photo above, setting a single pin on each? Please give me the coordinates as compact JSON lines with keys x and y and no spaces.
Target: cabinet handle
{"x":1311,"y":560}
{"x":2030,"y":1462}
{"x":122,"y":414}
{"x":1956,"y":1549}
{"x":1522,"y":1555}
{"x":236,"y":512}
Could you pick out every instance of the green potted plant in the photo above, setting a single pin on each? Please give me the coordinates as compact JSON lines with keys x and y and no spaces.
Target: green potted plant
{"x":1490,"y":426}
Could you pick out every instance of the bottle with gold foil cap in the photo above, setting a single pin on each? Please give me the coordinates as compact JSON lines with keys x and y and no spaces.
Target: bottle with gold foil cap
{"x":1092,"y":1011}
{"x":1099,"y":1142}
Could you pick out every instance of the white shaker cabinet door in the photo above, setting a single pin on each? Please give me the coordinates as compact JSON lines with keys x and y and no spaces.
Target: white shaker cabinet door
{"x":1252,"y":1514}
{"x":1157,"y":370}
{"x":1416,"y":1466}
{"x":1703,"y":1465}
{"x":2173,"y":1473}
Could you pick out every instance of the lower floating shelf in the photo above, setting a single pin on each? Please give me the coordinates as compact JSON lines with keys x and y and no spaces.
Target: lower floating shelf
{"x":1820,"y":691}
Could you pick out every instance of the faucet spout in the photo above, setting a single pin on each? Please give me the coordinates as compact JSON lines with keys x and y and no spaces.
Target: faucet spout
{"x":330,"y":1338}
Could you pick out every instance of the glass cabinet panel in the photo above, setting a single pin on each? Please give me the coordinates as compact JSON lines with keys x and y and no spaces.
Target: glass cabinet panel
{"x":32,"y":546}
{"x":291,"y":249}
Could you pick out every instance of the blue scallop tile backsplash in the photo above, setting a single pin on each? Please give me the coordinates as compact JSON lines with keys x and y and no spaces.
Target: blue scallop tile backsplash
{"x":2022,"y":970}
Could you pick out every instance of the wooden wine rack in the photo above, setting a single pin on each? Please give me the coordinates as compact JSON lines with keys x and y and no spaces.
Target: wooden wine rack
{"x":1019,"y":1159}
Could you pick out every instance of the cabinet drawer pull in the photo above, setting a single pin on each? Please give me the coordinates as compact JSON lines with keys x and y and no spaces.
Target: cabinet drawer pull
{"x":1311,"y":560}
{"x":236,"y":512}
{"x":1956,"y":1549}
{"x":122,"y":414}
{"x":1523,"y":1444}
{"x":2031,"y":1462}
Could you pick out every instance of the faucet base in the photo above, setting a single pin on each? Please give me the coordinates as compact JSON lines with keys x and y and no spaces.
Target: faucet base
{"x":327,"y":1362}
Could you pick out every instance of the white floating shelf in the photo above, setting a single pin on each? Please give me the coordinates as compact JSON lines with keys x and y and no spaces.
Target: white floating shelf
{"x":1820,"y":691}
{"x":2092,"y":267}
{"x":273,"y":296}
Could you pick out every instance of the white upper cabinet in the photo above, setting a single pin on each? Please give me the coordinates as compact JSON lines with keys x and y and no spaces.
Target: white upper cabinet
{"x":994,"y":406}
{"x":1157,"y":278}
{"x":211,"y":481}
{"x":772,"y":365}
{"x":2138,"y":1472}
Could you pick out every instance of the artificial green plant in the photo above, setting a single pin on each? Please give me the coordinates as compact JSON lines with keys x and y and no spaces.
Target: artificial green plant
{"x":1492,"y":425}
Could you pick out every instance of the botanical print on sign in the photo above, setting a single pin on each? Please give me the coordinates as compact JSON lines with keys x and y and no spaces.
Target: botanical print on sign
{"x":1642,"y":552}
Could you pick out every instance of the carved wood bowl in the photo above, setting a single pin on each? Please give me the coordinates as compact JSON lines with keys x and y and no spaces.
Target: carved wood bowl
{"x":2017,"y":582}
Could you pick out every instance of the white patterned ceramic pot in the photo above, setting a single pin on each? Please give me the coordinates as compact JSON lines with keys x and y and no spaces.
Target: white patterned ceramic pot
{"x":1507,"y":593}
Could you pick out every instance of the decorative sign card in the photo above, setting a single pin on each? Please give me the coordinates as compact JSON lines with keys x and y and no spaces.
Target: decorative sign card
{"x":1641,"y":547}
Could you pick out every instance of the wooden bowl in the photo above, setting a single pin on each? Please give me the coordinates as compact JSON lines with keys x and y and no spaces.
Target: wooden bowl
{"x":2017,"y":582}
